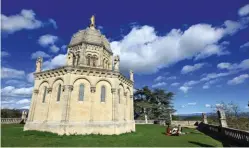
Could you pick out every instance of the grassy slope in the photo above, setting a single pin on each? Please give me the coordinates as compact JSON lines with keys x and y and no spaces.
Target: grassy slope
{"x":145,"y":135}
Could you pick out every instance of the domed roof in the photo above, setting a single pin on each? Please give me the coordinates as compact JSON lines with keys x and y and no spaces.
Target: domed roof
{"x":91,"y":36}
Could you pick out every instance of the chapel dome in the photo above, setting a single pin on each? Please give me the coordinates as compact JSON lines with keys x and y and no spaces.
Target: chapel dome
{"x":90,"y":35}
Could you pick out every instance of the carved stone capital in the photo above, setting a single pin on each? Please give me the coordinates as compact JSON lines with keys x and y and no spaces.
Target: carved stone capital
{"x":131,"y":96}
{"x":93,"y":89}
{"x":67,"y":87}
{"x":49,"y":90}
{"x":36,"y":91}
{"x":125,"y":93}
{"x":113,"y":90}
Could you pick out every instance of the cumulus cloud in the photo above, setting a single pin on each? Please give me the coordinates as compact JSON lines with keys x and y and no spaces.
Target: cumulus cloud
{"x":57,"y":61}
{"x":175,"y":84}
{"x":159,"y":78}
{"x":209,"y":83}
{"x":244,"y":10}
{"x":160,"y":84}
{"x":185,"y":88}
{"x":25,"y":107}
{"x":238,"y":80}
{"x":25,"y":20}
{"x":243,"y":65}
{"x":192,"y":103}
{"x":47,"y":40}
{"x":4,"y":54}
{"x":37,"y":54}
{"x":11,"y":91}
{"x":190,"y":68}
{"x":54,"y":48}
{"x":53,"y":22}
{"x":11,"y":73}
{"x":30,"y":77}
{"x":171,"y":78}
{"x":207,"y":105}
{"x":23,"y":101}
{"x":245,"y":45}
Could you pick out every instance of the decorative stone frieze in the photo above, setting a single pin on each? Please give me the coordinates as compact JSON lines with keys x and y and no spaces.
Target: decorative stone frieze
{"x":36,"y":91}
{"x":67,"y":87}
{"x":49,"y":90}
{"x":93,"y":89}
{"x":113,"y":90}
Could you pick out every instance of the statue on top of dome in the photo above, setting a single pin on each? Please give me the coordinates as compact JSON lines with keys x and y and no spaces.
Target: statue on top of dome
{"x":92,"y":21}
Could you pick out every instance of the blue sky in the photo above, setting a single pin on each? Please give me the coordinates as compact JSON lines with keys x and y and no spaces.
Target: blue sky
{"x":196,"y":49}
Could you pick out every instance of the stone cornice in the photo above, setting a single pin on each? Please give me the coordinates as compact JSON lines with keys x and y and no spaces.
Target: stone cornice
{"x":83,"y":70}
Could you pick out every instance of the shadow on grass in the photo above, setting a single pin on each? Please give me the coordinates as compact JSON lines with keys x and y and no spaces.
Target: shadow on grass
{"x":200,"y":144}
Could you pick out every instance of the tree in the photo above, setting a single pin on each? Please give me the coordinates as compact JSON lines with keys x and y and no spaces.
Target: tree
{"x":154,"y":104}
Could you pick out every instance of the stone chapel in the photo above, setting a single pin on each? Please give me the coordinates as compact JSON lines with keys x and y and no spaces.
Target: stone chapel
{"x":86,"y":96}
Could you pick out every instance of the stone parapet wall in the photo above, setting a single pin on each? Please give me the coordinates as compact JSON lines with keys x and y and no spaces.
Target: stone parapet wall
{"x":10,"y":120}
{"x":144,"y":122}
{"x":231,"y":136}
{"x":184,"y":123}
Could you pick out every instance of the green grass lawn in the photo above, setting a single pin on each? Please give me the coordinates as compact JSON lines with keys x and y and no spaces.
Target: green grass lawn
{"x":145,"y":136}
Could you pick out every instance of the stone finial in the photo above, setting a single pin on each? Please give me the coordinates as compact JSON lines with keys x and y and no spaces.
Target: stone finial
{"x":131,"y":76}
{"x":39,"y":64}
{"x":92,"y":19}
{"x":222,"y":117}
{"x":204,"y":118}
{"x":116,"y":63}
{"x":70,"y":59}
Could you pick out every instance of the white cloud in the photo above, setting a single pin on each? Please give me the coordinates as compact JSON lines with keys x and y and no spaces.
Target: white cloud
{"x":205,"y":86}
{"x":25,"y":20}
{"x":171,"y":78}
{"x":209,"y":83}
{"x":54,"y":48}
{"x":47,"y":40}
{"x":11,"y":91}
{"x":238,"y":80}
{"x":191,"y":83}
{"x":190,"y":68}
{"x":30,"y":77}
{"x":53,"y":22}
{"x":245,"y":45}
{"x":159,"y":78}
{"x":37,"y":54}
{"x":23,"y":101}
{"x":25,"y":107}
{"x":211,"y":76}
{"x":17,"y":83}
{"x":185,"y":88}
{"x":160,"y":84}
{"x":207,"y":105}
{"x":241,"y":66}
{"x":64,"y":47}
{"x":192,"y":103}
{"x":11,"y":73}
{"x":57,"y":61}
{"x":244,"y":10}
{"x":4,"y":54}
{"x":175,"y":84}
{"x":232,"y":26}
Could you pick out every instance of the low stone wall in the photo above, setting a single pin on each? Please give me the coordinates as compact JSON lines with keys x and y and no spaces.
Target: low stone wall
{"x":144,"y":122}
{"x":184,"y":123}
{"x":10,"y":120}
{"x":231,"y":136}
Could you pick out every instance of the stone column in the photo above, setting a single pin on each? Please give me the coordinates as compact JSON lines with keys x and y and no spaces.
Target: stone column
{"x":132,"y":110}
{"x":204,"y":118}
{"x":93,"y":90}
{"x":222,"y":118}
{"x":32,"y":105}
{"x":67,"y":89}
{"x":113,"y":104}
{"x":49,"y":90}
{"x":125,"y":105}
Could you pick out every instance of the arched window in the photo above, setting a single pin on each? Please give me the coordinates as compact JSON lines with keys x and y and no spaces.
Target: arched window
{"x":44,"y":94}
{"x":119,"y":96}
{"x":59,"y":93}
{"x":103,"y":93}
{"x":94,"y":61}
{"x":88,"y":60}
{"x":81,"y":92}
